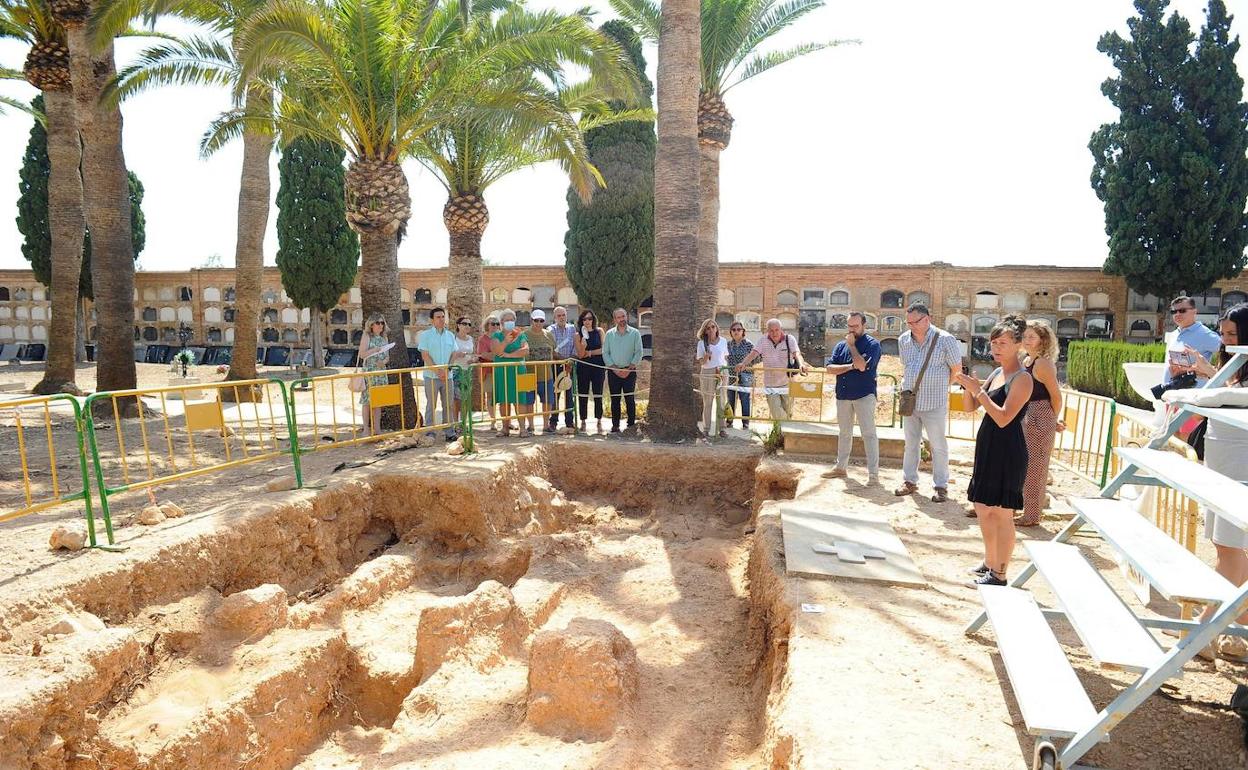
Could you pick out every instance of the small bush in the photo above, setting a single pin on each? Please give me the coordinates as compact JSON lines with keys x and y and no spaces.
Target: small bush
{"x":1096,"y":367}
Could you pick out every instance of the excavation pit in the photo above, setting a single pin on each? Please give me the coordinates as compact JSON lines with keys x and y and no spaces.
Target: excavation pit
{"x":387,"y":619}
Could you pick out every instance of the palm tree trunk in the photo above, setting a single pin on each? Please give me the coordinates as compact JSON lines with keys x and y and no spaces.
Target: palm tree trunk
{"x":673,"y":410}
{"x":65,"y":219}
{"x":708,"y":233}
{"x":253,"y":218}
{"x":465,"y":217}
{"x":379,"y":294}
{"x":106,"y":194}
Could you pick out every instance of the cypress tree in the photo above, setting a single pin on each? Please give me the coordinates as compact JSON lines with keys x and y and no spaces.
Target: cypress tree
{"x":609,"y":245}
{"x":32,"y":212}
{"x":1172,"y":171}
{"x":317,"y":253}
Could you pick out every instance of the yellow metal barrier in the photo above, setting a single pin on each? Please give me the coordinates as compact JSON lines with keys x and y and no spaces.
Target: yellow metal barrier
{"x":960,"y":423}
{"x":1086,"y":444}
{"x":326,"y":413}
{"x":528,"y":390}
{"x":50,"y":465}
{"x":810,"y":397}
{"x":153,"y":436}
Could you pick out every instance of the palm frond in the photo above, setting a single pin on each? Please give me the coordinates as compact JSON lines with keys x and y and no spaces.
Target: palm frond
{"x":644,"y":16}
{"x":766,"y":61}
{"x":16,"y":104}
{"x":196,"y":61}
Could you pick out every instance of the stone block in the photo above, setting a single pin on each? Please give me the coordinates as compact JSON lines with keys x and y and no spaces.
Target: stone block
{"x":582,"y":680}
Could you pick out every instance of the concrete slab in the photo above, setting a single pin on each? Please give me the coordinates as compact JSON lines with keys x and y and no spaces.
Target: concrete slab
{"x":821,"y":438}
{"x":824,"y":544}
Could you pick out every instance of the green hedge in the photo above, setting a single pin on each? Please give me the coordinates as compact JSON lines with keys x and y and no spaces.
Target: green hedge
{"x":1096,"y":367}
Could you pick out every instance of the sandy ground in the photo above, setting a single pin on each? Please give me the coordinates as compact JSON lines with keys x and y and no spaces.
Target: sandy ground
{"x":883,"y":678}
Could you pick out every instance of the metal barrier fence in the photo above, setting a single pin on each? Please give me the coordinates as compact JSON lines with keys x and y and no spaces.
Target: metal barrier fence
{"x":1083,"y":448}
{"x":525,"y":390}
{"x":46,"y":476}
{"x":183,"y":431}
{"x":326,"y":424}
{"x":809,"y":397}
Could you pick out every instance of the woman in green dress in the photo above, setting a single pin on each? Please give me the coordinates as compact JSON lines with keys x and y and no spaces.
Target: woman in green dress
{"x":374,"y":337}
{"x":509,"y":345}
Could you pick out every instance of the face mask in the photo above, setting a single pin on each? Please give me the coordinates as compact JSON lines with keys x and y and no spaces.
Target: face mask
{"x":509,"y":325}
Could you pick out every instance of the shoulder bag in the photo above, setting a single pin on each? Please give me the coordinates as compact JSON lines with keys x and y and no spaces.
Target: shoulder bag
{"x":357,"y":383}
{"x":791,"y":367}
{"x":908,"y":398}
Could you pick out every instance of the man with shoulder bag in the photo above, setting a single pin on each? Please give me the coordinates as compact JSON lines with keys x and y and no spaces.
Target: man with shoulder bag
{"x":930,"y":358}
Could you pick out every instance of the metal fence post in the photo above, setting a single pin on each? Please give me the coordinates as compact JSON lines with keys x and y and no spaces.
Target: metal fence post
{"x":89,"y":420}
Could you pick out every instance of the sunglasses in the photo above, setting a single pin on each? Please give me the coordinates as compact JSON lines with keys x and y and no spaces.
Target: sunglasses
{"x":493,"y":323}
{"x":1181,"y":310}
{"x":466,"y":323}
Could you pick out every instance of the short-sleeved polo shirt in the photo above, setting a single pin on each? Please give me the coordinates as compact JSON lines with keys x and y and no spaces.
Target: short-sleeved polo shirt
{"x":853,"y":385}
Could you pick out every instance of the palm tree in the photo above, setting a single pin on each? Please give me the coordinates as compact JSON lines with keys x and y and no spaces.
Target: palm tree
{"x":106,"y":194}
{"x":204,"y":60}
{"x":673,"y":410}
{"x":469,"y":154}
{"x":733,"y":32}
{"x":47,"y":68}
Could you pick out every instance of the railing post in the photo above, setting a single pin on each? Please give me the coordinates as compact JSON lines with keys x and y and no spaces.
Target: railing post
{"x":1109,"y":442}
{"x":292,"y":430}
{"x":89,"y":420}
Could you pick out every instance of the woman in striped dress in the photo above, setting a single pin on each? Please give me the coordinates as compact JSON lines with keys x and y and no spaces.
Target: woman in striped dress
{"x":1041,"y":423}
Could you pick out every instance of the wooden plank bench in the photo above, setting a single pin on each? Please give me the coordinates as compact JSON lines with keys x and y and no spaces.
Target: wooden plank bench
{"x":1173,"y":570}
{"x":1109,"y":630}
{"x":1049,"y":694}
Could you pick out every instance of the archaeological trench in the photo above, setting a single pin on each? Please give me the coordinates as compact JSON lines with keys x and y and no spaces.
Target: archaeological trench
{"x":571,"y":605}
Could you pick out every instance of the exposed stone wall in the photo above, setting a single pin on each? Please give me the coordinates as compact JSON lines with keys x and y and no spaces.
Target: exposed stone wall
{"x":809,"y":299}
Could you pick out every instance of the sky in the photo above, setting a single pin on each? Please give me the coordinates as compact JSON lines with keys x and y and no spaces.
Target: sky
{"x":955,"y":131}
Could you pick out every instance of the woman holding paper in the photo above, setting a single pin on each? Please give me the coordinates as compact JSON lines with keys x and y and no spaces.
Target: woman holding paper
{"x":1225,"y":449}
{"x":373,"y":359}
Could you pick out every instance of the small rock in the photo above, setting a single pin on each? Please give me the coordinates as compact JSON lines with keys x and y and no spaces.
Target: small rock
{"x":71,"y":537}
{"x":424,"y":441}
{"x":172,"y":510}
{"x":75,"y":622}
{"x":282,"y":484}
{"x":151,"y":515}
{"x":254,"y":612}
{"x":456,"y":447}
{"x":582,"y":680}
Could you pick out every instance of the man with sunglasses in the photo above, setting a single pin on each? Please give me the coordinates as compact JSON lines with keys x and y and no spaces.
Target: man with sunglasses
{"x":1187,"y":333}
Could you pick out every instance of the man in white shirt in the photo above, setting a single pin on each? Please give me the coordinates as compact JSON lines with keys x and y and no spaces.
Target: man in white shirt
{"x":931,"y":409}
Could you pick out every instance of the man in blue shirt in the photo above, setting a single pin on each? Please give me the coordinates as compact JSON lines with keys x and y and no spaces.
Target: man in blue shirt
{"x":854,"y":361}
{"x":1188,"y":332}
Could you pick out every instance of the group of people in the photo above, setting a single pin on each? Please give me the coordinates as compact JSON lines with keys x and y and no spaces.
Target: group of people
{"x":546,"y":352}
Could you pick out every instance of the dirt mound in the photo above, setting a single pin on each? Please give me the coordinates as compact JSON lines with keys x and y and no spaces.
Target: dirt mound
{"x":252,"y":613}
{"x":481,"y":630}
{"x":582,"y":680}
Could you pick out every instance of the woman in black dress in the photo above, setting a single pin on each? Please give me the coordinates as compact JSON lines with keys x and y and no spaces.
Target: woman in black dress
{"x":1000,"y":448}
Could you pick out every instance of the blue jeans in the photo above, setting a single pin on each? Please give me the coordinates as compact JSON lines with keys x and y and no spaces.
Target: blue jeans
{"x":546,"y":394}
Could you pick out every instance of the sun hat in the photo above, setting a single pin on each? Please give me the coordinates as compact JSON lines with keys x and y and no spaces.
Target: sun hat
{"x":537,"y":315}
{"x":562,"y":382}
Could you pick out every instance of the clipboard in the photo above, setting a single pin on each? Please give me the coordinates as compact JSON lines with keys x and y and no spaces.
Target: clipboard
{"x":383,"y":349}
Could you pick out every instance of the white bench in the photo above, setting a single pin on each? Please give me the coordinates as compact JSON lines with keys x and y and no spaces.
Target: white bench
{"x":1109,"y":630}
{"x":1207,"y":487}
{"x":1049,"y":694}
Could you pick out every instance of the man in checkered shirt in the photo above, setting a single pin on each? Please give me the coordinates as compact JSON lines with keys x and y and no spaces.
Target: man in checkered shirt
{"x":931,"y":408}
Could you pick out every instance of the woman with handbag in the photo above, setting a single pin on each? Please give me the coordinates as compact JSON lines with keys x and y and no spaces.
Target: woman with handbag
{"x":371,"y":361}
{"x":1226,"y":451}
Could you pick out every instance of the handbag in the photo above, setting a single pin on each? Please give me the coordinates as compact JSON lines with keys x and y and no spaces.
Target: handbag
{"x":908,"y":398}
{"x":792,"y":366}
{"x":357,"y":383}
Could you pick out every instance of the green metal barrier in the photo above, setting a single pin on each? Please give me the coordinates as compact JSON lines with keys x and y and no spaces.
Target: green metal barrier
{"x":174,"y":453}
{"x":33,"y":498}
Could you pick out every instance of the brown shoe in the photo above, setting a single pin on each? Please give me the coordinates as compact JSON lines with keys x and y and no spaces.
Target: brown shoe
{"x":941,"y":495}
{"x":906,"y":488}
{"x":835,"y":473}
